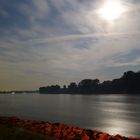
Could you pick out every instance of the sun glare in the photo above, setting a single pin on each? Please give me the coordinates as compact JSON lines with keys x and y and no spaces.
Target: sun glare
{"x":111,"y":10}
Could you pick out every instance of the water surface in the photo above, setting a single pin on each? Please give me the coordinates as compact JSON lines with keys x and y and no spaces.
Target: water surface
{"x":115,"y":114}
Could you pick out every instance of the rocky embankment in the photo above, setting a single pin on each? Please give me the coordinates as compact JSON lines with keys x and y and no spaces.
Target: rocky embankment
{"x":13,"y":127}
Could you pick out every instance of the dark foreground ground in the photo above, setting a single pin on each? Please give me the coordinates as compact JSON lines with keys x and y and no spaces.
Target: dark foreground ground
{"x":13,"y":128}
{"x":10,"y":133}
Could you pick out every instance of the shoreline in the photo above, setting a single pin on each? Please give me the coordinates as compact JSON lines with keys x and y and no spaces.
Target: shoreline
{"x":58,"y":131}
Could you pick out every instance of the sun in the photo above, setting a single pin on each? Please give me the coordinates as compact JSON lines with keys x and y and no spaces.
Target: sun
{"x":111,"y":10}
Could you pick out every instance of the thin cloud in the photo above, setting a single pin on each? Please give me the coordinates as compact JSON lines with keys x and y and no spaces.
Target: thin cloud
{"x":83,"y":36}
{"x":135,"y":62}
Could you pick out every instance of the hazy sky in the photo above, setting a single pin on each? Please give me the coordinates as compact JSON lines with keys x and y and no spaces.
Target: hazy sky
{"x":45,"y":42}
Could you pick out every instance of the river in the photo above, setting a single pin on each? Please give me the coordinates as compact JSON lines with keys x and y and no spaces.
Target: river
{"x":112,"y":113}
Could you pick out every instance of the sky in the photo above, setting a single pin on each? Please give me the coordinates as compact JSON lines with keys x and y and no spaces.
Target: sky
{"x":45,"y":42}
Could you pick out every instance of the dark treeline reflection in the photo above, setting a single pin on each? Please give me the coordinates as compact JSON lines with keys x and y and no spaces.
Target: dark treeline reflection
{"x":128,"y":83}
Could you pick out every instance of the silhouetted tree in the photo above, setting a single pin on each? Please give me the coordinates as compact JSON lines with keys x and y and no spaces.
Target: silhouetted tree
{"x":128,"y":83}
{"x":105,"y":86}
{"x":50,"y":89}
{"x":132,"y":81}
{"x":64,"y":87}
{"x":88,"y":85}
{"x":72,"y":87}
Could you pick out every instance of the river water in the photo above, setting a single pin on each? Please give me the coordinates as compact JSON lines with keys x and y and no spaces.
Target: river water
{"x":112,"y":113}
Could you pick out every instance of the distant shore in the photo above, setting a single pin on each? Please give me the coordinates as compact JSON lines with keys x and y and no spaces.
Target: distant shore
{"x":18,"y":92}
{"x":127,"y":83}
{"x":61,"y":93}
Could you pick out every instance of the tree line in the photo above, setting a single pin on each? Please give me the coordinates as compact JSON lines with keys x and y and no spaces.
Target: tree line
{"x":128,"y":83}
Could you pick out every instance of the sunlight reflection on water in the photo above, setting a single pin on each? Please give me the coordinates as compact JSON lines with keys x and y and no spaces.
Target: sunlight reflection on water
{"x":114,"y":114}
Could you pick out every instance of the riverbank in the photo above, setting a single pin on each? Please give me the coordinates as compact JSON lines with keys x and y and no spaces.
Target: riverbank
{"x":13,"y":128}
{"x":15,"y":133}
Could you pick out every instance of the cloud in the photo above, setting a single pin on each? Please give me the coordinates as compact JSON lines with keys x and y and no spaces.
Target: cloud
{"x":65,"y":41}
{"x":3,"y":13}
{"x":41,"y":5}
{"x":35,"y":10}
{"x":132,"y":63}
{"x":84,"y":36}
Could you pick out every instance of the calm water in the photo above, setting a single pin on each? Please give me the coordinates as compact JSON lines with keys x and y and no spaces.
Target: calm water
{"x":110,"y":113}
